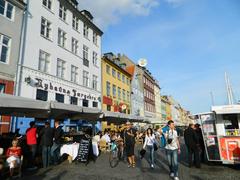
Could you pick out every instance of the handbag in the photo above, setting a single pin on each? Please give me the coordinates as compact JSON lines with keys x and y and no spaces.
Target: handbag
{"x":142,"y":153}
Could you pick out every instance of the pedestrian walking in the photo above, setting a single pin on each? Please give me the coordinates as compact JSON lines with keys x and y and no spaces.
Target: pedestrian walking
{"x":129,"y":140}
{"x":191,"y":141}
{"x":55,"y":149}
{"x":172,"y":149}
{"x":201,"y":142}
{"x":149,"y":143}
{"x":46,"y":134}
{"x":31,"y":136}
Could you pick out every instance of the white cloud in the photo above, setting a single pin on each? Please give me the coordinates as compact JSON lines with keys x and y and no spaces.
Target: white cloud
{"x":108,"y":12}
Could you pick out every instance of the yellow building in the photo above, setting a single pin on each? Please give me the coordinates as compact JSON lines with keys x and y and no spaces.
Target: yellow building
{"x":116,"y":87}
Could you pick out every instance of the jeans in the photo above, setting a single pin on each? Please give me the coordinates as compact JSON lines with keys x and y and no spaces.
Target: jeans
{"x":55,"y":153}
{"x":33,"y":150}
{"x":151,"y":154}
{"x":46,"y":156}
{"x":172,"y":156}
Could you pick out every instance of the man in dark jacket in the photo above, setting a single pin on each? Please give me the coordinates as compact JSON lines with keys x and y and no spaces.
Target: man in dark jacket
{"x":201,"y":142}
{"x":46,"y":135}
{"x":191,"y":142}
{"x":55,"y":150}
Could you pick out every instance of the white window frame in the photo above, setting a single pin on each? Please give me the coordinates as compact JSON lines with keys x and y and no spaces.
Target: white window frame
{"x":48,"y":4}
{"x":114,"y":90}
{"x":95,"y":38}
{"x":62,"y":38}
{"x":108,"y":88}
{"x":62,"y":12}
{"x":95,"y":82}
{"x":47,"y":30}
{"x":85,"y":31}
{"x":74,"y":45}
{"x":44,"y":61}
{"x":114,"y":73}
{"x":6,"y":5}
{"x":95,"y":58}
{"x":86,"y":78}
{"x":8,"y":46}
{"x":61,"y":68}
{"x":74,"y":73}
{"x":75,"y":22}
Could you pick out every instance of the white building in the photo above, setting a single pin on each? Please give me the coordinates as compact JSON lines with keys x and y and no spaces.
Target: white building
{"x":158,"y":105}
{"x":61,"y":54}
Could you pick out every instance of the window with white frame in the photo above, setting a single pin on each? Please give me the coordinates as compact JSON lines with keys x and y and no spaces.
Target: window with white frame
{"x":128,"y":96}
{"x":95,"y":38}
{"x":94,"y":82}
{"x":114,"y":90}
{"x":85,"y":31}
{"x":123,"y":78}
{"x":119,"y":93}
{"x":5,"y":46}
{"x":119,"y":75}
{"x":47,"y":4}
{"x":95,"y":61}
{"x":85,"y":78}
{"x":75,"y":22}
{"x":74,"y":73}
{"x":60,"y":68}
{"x":44,"y":61}
{"x":62,"y":12}
{"x":62,"y":38}
{"x":124,"y":94}
{"x":6,"y":9}
{"x":85,"y":56}
{"x":74,"y":46}
{"x":108,"y":69}
{"x":46,"y":28}
{"x":113,"y":72}
{"x":108,"y":88}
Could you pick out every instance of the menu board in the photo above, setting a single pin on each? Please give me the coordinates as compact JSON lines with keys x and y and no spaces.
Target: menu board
{"x":83,"y":150}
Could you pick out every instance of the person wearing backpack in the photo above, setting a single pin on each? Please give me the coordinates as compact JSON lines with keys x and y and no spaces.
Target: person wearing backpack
{"x":172,"y":149}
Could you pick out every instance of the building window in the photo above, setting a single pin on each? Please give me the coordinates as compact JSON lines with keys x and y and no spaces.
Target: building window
{"x":119,"y":75}
{"x":114,"y":90}
{"x":46,"y":28}
{"x":127,"y":81}
{"x":124,"y":94}
{"x":95,"y":38}
{"x":5,"y":46}
{"x":73,"y":100}
{"x":108,"y":69}
{"x":94,"y":82}
{"x":95,"y":58}
{"x":41,"y":95}
{"x":2,"y":88}
{"x":6,"y":9}
{"x":123,"y":78}
{"x":74,"y":46}
{"x":108,"y":108}
{"x":85,"y":31}
{"x":85,"y":103}
{"x":62,"y":12}
{"x":108,"y":88}
{"x":74,"y":73}
{"x":47,"y":4}
{"x":95,"y":104}
{"x":119,"y":93}
{"x":128,"y":96}
{"x":85,"y":78}
{"x":114,"y":73}
{"x":85,"y":56}
{"x":59,"y":98}
{"x":75,"y":22}
{"x":44,"y":61}
{"x":62,"y":38}
{"x":60,"y":68}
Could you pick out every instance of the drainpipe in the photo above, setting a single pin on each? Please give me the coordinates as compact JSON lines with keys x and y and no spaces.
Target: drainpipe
{"x":18,"y":77}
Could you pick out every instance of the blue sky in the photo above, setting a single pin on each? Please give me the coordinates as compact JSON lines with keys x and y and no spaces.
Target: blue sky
{"x":189,"y":44}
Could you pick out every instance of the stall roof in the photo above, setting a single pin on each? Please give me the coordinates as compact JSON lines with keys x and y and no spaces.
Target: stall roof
{"x":23,"y":107}
{"x":226,"y":109}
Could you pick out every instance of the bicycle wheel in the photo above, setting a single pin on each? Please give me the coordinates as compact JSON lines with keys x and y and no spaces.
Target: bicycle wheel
{"x":113,"y":158}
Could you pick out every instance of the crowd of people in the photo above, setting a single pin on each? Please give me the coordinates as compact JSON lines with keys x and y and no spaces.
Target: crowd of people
{"x":49,"y":140}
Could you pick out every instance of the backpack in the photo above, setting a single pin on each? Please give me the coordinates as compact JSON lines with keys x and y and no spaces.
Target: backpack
{"x":163,"y":141}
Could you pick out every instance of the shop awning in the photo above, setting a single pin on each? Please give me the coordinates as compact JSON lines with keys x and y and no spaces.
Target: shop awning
{"x":23,"y":107}
{"x":91,"y":114}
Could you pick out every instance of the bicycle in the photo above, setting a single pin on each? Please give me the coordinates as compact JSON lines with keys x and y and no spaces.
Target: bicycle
{"x":115,"y":155}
